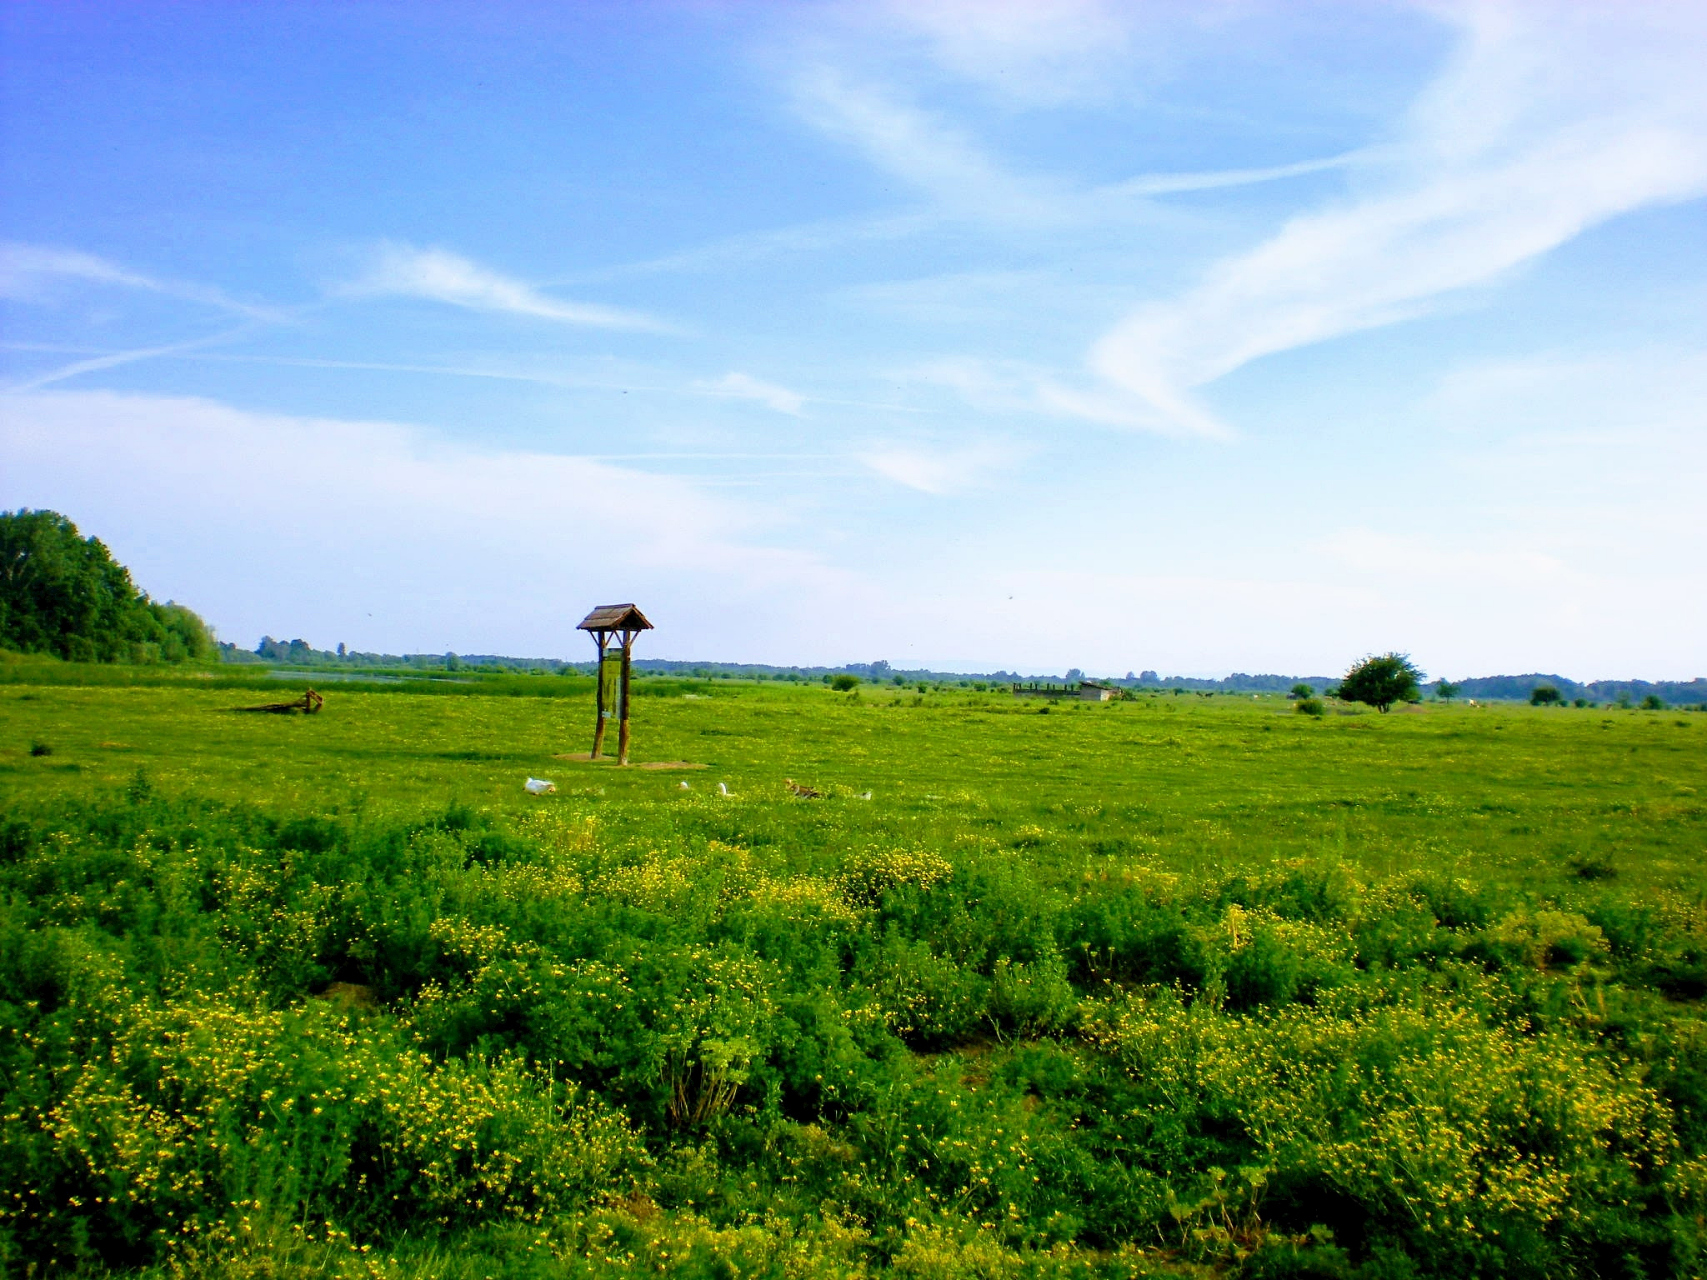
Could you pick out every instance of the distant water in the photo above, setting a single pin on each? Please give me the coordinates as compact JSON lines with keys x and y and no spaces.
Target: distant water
{"x":332,"y":677}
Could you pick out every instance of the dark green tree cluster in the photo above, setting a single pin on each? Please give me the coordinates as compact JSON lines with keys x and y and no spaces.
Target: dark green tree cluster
{"x":64,"y":594}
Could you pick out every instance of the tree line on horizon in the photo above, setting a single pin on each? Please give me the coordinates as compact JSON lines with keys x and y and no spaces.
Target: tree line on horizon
{"x":64,"y":594}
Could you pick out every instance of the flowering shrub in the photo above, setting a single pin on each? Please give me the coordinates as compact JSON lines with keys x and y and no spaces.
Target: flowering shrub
{"x":233,"y":1044}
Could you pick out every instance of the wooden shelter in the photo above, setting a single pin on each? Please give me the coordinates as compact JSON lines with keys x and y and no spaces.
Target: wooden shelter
{"x":623,"y":622}
{"x":1083,"y":691}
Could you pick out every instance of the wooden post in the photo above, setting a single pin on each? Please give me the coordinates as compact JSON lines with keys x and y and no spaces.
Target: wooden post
{"x":622,"y":711}
{"x":599,"y":696}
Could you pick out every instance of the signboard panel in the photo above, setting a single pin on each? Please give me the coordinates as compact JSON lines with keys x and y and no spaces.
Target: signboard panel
{"x":610,"y":684}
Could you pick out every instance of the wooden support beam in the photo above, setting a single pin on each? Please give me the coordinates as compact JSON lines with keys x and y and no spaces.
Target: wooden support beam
{"x":599,"y":695}
{"x":622,"y":713}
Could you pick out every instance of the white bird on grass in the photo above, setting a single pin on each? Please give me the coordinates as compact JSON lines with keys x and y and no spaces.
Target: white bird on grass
{"x":722,"y":788}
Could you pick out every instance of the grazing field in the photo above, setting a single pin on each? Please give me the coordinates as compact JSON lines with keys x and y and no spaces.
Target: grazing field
{"x":1173,"y":986}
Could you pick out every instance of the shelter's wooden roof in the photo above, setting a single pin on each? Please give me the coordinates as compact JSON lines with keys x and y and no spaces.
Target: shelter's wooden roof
{"x":615,"y":617}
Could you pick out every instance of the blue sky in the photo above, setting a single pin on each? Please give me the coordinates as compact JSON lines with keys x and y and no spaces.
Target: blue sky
{"x":1200,"y":338}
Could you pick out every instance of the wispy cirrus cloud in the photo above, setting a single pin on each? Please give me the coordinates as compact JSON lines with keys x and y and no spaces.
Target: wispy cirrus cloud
{"x":743,"y":386}
{"x":32,"y":272}
{"x":1039,"y":52}
{"x":438,"y":275}
{"x":941,"y":471}
{"x":1015,"y":387}
{"x":1545,"y":124}
{"x":939,"y":158}
{"x":965,"y":179}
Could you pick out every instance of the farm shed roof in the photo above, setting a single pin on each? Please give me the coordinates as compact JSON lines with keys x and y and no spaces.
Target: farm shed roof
{"x":614,"y":617}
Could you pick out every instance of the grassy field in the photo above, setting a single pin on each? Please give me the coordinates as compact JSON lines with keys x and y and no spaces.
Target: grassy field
{"x":1180,"y":985}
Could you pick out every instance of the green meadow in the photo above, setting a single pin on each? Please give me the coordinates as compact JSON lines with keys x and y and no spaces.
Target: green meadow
{"x":1174,"y":986}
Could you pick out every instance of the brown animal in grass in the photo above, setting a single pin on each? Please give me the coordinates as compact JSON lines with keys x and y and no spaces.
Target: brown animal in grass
{"x":805,"y":793}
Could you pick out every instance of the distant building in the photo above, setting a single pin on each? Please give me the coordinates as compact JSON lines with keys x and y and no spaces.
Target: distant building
{"x":1082,"y":691}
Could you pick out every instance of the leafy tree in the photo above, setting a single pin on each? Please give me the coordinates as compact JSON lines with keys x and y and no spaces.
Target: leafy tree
{"x":1075,"y":674}
{"x":1382,"y":680}
{"x":1543,"y":695}
{"x":1446,"y":691}
{"x":64,"y":594}
{"x":1302,"y":690}
{"x":1653,"y":702}
{"x":843,"y":682}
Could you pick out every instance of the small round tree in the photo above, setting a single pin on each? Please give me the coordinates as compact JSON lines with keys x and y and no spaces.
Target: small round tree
{"x":1382,"y":680}
{"x":1543,"y":695}
{"x":1301,"y":690}
{"x":1446,"y":691}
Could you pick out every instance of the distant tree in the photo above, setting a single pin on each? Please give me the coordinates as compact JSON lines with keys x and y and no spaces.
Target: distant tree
{"x":1543,"y":695}
{"x":1653,"y":702}
{"x":879,"y":669}
{"x":1073,"y":673}
{"x":1446,"y":691}
{"x":1382,"y":680}
{"x":843,"y":682}
{"x":64,"y":594}
{"x":1302,"y":690}
{"x":1310,"y":707}
{"x":898,"y":679}
{"x":452,"y":662}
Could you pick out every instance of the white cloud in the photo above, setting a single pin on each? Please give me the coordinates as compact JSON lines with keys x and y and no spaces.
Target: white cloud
{"x":1608,"y":394}
{"x":383,"y":536}
{"x":741,"y":386}
{"x":1038,"y":51}
{"x":1007,"y":386}
{"x":1412,"y":560}
{"x":24,"y":268}
{"x":919,"y":148}
{"x":439,"y":275}
{"x":1162,"y":184}
{"x":940,"y":471}
{"x":28,"y":272}
{"x":113,"y":359}
{"x":1548,"y":122}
